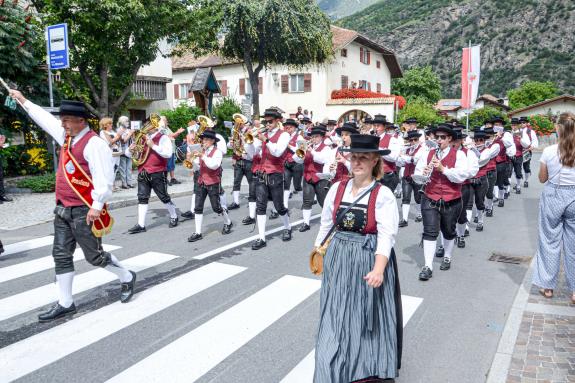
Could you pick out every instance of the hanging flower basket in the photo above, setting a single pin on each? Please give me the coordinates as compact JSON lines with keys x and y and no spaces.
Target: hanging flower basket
{"x":363,"y":93}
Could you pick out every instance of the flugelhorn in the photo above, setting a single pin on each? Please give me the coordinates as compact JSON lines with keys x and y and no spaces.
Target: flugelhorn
{"x":140,"y":149}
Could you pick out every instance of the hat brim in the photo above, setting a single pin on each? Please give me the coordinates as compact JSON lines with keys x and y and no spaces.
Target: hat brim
{"x":346,"y":129}
{"x":382,"y":152}
{"x":317,"y":132}
{"x":450,"y":132}
{"x":216,"y":139}
{"x":73,"y":114}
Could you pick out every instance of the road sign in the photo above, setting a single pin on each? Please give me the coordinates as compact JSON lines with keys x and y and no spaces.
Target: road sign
{"x":57,"y":42}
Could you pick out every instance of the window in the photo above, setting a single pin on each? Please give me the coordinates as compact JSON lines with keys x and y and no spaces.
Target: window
{"x":344,"y":82}
{"x":296,"y":83}
{"x":184,"y":90}
{"x":378,"y":64}
{"x":364,"y":55}
{"x":378,"y":87}
{"x":344,"y":52}
{"x":362,"y":84}
{"x":223,"y":87}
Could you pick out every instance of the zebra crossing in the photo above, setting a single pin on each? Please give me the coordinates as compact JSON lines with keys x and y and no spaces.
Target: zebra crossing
{"x":188,"y":357}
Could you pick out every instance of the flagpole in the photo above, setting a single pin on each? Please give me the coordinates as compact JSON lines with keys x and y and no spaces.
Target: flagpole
{"x":468,"y":90}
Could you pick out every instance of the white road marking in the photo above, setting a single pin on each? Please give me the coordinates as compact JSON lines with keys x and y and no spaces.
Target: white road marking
{"x":30,"y":244}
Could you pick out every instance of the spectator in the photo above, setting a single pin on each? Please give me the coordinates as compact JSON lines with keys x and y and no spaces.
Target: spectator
{"x":113,"y":139}
{"x":557,"y":210}
{"x":125,"y":166}
{"x":3,"y":197}
{"x":170,"y":168}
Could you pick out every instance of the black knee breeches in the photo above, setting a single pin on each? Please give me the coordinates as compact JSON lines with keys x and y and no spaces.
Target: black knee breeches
{"x":517,"y":167}
{"x":502,"y":175}
{"x":311,"y":190}
{"x":293,"y":172}
{"x":408,"y":187}
{"x":155,"y":181}
{"x":466,"y":202}
{"x":491,"y":181}
{"x":242,"y":168}
{"x":439,"y":216}
{"x":391,"y":180}
{"x":269,"y":185}
{"x":527,"y":166}
{"x":211,"y":191}
{"x":479,"y":191}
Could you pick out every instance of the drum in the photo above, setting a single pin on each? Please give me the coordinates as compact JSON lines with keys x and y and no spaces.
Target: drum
{"x":526,"y":156}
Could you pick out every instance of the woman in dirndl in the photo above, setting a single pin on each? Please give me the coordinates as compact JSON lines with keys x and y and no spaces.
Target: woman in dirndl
{"x":360,"y":329}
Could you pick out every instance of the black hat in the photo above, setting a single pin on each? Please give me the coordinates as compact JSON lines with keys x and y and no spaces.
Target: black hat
{"x":498,"y":119}
{"x":347,"y":127}
{"x":379,"y":119}
{"x":306,"y":120}
{"x":272,"y":113}
{"x":411,"y":120}
{"x":515,"y":121}
{"x":319,"y":129}
{"x":331,"y":122}
{"x":389,"y":125}
{"x":488,"y":131}
{"x":524,"y":119}
{"x":445,"y":128}
{"x":368,"y":120}
{"x":209,"y":134}
{"x":365,"y":143}
{"x":292,"y":122}
{"x":412,"y":134}
{"x":479,"y":133}
{"x":73,"y":108}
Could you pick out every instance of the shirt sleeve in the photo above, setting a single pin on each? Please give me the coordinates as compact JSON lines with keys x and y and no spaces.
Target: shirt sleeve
{"x":421,"y":161}
{"x":101,"y":164}
{"x":322,"y":157}
{"x":46,"y":121}
{"x":403,"y":160}
{"x":278,"y":149}
{"x":395,"y":147}
{"x":387,"y":218}
{"x":458,"y":173}
{"x":534,"y":140}
{"x":472,"y":164}
{"x":214,"y":161}
{"x":510,"y":149}
{"x":493,"y":151}
{"x":221,"y":144}
{"x":164,"y":147}
{"x":327,"y":215}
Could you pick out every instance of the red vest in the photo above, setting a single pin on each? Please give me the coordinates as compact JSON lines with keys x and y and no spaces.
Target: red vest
{"x":256,"y":163}
{"x":502,"y":156}
{"x":439,"y":186}
{"x":388,"y":166}
{"x":371,"y":227}
{"x":409,"y":169}
{"x":485,"y":168}
{"x":209,"y":176}
{"x":341,"y":173}
{"x":310,"y":167}
{"x":289,"y":153}
{"x":518,"y":146}
{"x":491,"y":165}
{"x":271,"y":164}
{"x":154,"y":163}
{"x":64,"y":193}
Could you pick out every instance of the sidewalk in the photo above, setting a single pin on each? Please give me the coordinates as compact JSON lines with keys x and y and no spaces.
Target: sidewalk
{"x":29,"y":209}
{"x":538,"y":342}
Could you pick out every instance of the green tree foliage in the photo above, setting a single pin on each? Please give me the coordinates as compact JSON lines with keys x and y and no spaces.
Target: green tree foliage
{"x":418,"y":82}
{"x":531,"y":92}
{"x":223,"y":111}
{"x":261,"y":33}
{"x":422,"y":110}
{"x":110,"y":40}
{"x":180,"y":116}
{"x":16,"y":34}
{"x":479,"y":116}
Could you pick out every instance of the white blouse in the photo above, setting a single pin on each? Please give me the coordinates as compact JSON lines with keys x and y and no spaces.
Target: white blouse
{"x":386,"y":215}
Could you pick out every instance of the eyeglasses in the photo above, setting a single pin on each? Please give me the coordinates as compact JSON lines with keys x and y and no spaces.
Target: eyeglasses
{"x":269,"y":122}
{"x":441,"y":137}
{"x":414,"y":140}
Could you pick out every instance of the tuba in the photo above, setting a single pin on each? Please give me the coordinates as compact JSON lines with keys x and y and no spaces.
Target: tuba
{"x":239,"y":119}
{"x":205,"y":122}
{"x":141,"y":150}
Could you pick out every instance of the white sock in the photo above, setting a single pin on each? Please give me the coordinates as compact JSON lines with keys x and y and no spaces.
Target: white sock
{"x":236,"y":195}
{"x":418,"y":209}
{"x":227,"y":219}
{"x":193,"y":206}
{"x":262,"y":226}
{"x":198,"y":221}
{"x":252,"y":209}
{"x":480,"y":216}
{"x":64,"y":282}
{"x":502,"y":193}
{"x":440,"y":237}
{"x":518,"y":182}
{"x":285,"y":220}
{"x":448,"y":246}
{"x":428,"y":252}
{"x":306,"y":215}
{"x":508,"y":187}
{"x":121,"y":272}
{"x":405,"y":211}
{"x":489,"y":203}
{"x":223,"y":200}
{"x":527,"y":176}
{"x":274,"y":210}
{"x":171,"y":209}
{"x":469,"y":214}
{"x":474,"y":211}
{"x":286,"y":198}
{"x":142,"y":211}
{"x":459,"y":229}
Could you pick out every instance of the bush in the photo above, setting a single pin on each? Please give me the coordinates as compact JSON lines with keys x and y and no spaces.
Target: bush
{"x":542,"y":125}
{"x":223,"y":111}
{"x":39,"y":184}
{"x":180,"y":116}
{"x":479,"y":116}
{"x":420,"y":109}
{"x":23,"y":160}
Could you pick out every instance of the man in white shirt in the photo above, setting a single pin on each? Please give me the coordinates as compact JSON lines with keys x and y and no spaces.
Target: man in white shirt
{"x":386,"y":133}
{"x":531,"y":136}
{"x":504,"y":165}
{"x":81,"y":147}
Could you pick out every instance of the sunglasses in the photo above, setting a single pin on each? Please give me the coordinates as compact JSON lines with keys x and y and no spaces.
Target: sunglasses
{"x":269,"y":122}
{"x":414,"y":140}
{"x":440,"y":137}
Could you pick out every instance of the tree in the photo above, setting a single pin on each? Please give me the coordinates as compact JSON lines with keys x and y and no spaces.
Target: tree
{"x":223,"y":111}
{"x":479,"y":116}
{"x":261,"y":33}
{"x":419,"y":82}
{"x":531,"y":92}
{"x":110,"y":40}
{"x":421,"y":109}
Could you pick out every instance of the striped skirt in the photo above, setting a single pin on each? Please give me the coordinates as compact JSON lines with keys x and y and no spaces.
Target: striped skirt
{"x":360,"y":328}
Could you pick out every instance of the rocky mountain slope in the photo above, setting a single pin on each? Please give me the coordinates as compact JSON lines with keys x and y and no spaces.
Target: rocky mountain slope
{"x":340,"y":8}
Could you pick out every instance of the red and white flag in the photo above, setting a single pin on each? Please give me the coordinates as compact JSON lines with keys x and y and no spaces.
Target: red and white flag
{"x":470,"y":70}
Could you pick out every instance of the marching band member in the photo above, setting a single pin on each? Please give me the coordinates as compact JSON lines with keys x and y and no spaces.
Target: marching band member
{"x":531,"y":136}
{"x":270,"y":177}
{"x":83,"y":185}
{"x":190,"y":140}
{"x":254,"y":148}
{"x":441,"y":202}
{"x":341,"y":166}
{"x":241,"y":160}
{"x":209,"y":162}
{"x":521,"y":142}
{"x":293,"y":171}
{"x":385,"y":130}
{"x":493,"y":150}
{"x":152,"y":176}
{"x":480,"y":183}
{"x":408,"y":160}
{"x":507,"y":151}
{"x":317,"y":157}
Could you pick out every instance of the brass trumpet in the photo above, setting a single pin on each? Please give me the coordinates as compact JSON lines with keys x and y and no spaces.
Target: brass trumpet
{"x":301,"y":149}
{"x":250,"y":135}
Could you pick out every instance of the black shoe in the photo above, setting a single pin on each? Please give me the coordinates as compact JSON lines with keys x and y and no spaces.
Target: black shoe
{"x":506,"y":195}
{"x":475,"y":219}
{"x":286,"y":236}
{"x":479,"y":227}
{"x":173,"y":222}
{"x":248,"y":220}
{"x":495,"y":199}
{"x":419,"y":218}
{"x":303,"y":227}
{"x":425,"y":274}
{"x":525,"y":184}
{"x":3,"y":198}
{"x":489,"y":212}
{"x":274,"y":215}
{"x":517,"y":191}
{"x":446,"y":264}
{"x":174,"y":181}
{"x":314,"y":202}
{"x":294,"y":192}
{"x":501,"y":203}
{"x":56,"y":312}
{"x":227,"y":228}
{"x":258,"y":244}
{"x":128,"y":289}
{"x":466,"y":233}
{"x":170,"y":182}
{"x":137,"y":229}
{"x":402,"y":223}
{"x":440,"y":252}
{"x":397,"y":194}
{"x":460,"y":242}
{"x":290,"y":195}
{"x":194,"y":237}
{"x":188,"y":215}
{"x":233,"y":206}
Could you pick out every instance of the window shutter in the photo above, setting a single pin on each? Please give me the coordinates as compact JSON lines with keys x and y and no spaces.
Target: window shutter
{"x":224,"y":87}
{"x":260,"y":85}
{"x":361,"y":54}
{"x":368,"y":57}
{"x":285,"y":83}
{"x":344,"y":82}
{"x":368,"y":86}
{"x":378,"y":63}
{"x":307,"y":82}
{"x":242,"y":86}
{"x":378,"y":88}
{"x":176,"y":91}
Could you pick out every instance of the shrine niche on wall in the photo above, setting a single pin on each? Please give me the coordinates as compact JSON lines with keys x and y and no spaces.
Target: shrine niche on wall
{"x":203,"y":87}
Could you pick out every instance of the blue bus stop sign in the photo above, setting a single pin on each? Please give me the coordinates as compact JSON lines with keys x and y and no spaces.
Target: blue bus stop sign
{"x":57,"y":43}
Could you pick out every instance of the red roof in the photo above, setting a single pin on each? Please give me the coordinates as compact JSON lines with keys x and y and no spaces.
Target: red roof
{"x":562,"y":98}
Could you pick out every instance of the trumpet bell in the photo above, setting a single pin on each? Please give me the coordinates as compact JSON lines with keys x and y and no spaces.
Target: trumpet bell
{"x":205,"y":121}
{"x":239,"y":118}
{"x":249,"y":138}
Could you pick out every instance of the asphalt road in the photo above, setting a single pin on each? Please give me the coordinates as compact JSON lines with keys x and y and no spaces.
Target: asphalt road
{"x":216,"y":311}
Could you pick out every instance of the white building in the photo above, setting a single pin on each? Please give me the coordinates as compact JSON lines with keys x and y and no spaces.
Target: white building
{"x":358,"y":62}
{"x":451,"y":107}
{"x":551,"y":107}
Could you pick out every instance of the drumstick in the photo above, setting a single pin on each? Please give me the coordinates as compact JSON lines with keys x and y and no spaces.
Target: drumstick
{"x":8,"y":90}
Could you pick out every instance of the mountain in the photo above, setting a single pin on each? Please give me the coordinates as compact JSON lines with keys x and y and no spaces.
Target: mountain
{"x":341,"y":8}
{"x":520,"y":39}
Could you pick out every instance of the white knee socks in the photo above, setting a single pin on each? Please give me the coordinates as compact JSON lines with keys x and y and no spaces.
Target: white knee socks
{"x":223,"y":200}
{"x":262,"y":226}
{"x":469,"y":215}
{"x":527,"y":176}
{"x":252,"y":209}
{"x":171,"y":209}
{"x":227,"y":219}
{"x":428,"y":252}
{"x":440,"y":237}
{"x":286,"y":198}
{"x":517,"y":182}
{"x":459,"y":229}
{"x":193,"y":206}
{"x":405,"y":211}
{"x":448,"y":246}
{"x":489,"y":203}
{"x":502,"y":193}
{"x":480,"y":215}
{"x":198,"y":221}
{"x":306,"y":215}
{"x":285,"y":220}
{"x":121,"y":272}
{"x":64,"y":282}
{"x":236,"y":195}
{"x":142,"y":211}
